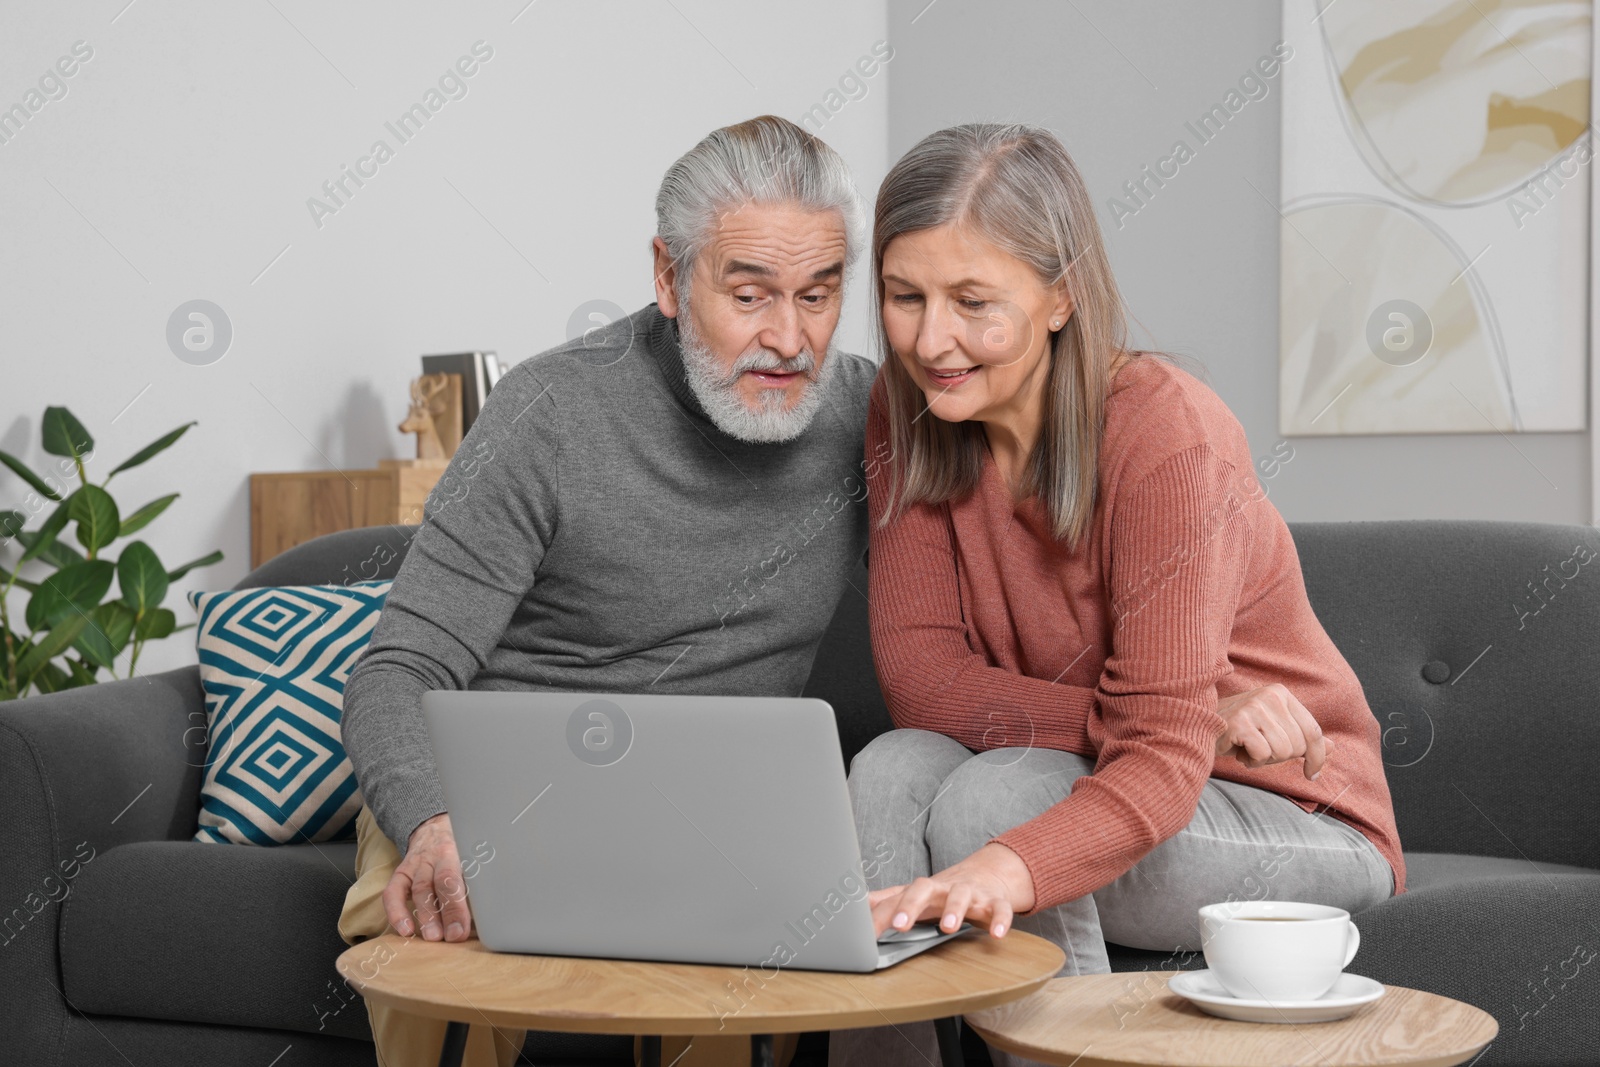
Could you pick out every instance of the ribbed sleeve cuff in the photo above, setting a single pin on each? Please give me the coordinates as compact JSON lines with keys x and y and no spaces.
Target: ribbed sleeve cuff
{"x":399,"y":819}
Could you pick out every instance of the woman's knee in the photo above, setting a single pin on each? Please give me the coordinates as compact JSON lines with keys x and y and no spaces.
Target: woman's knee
{"x":994,"y":791}
{"x":909,"y":755}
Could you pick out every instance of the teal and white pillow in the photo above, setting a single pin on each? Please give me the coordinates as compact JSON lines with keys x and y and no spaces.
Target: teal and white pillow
{"x":274,"y":662}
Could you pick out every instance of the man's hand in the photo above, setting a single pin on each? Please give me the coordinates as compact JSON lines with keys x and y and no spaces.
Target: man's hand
{"x":1268,"y":725}
{"x":987,"y":888}
{"x":430,"y":875}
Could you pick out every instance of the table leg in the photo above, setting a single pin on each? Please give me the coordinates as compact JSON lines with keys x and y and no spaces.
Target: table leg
{"x":949,"y":1042}
{"x":455,"y":1045}
{"x":650,"y":1050}
{"x":761,"y":1051}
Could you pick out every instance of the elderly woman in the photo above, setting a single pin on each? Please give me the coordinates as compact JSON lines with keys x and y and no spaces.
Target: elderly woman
{"x":1073,"y":571}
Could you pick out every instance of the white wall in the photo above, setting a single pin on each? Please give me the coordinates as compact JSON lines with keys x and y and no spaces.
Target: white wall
{"x":178,"y":166}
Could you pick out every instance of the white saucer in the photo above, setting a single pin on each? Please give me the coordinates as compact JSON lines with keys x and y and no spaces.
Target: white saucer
{"x":1202,"y":989}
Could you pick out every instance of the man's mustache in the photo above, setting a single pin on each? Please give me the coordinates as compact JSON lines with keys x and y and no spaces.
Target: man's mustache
{"x":764,"y":359}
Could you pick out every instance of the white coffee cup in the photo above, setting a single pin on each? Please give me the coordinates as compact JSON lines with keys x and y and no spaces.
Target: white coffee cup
{"x":1277,"y":950}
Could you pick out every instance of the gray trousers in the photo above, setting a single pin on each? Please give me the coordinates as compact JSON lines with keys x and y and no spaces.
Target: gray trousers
{"x":934,"y":803}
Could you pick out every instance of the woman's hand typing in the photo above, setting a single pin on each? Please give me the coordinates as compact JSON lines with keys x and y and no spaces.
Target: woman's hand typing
{"x":986,"y":888}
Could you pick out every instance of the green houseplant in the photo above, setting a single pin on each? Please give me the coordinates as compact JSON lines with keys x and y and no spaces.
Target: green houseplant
{"x":74,"y":626}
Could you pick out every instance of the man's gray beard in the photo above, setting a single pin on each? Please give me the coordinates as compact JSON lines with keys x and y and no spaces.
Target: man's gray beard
{"x":719,"y":395}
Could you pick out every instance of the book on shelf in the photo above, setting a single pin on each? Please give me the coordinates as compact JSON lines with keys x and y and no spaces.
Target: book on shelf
{"x":478,"y":370}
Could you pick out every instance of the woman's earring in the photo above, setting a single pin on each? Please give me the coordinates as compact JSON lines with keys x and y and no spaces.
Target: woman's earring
{"x":1055,"y":324}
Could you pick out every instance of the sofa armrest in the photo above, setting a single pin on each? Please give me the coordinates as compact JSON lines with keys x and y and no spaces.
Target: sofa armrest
{"x":77,"y":760}
{"x":82,"y":771}
{"x":1523,"y":948}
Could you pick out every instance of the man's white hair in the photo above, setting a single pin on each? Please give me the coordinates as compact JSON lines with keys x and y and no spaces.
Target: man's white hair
{"x":764,"y":160}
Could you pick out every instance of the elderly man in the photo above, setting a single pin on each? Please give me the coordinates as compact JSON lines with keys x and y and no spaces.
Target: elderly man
{"x":633,"y":512}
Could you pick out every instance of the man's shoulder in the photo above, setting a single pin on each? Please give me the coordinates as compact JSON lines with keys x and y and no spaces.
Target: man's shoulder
{"x":603,"y":346}
{"x":855,"y":377}
{"x":596,"y":366}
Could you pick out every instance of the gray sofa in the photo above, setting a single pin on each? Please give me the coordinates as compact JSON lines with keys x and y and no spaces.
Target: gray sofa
{"x":125,"y":942}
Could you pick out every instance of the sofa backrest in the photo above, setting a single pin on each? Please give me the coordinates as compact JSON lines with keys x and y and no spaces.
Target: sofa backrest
{"x":1474,"y":642}
{"x":361,"y":555}
{"x":843,"y":674}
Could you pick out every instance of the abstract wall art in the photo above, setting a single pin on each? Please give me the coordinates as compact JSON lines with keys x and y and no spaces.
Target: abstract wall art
{"x":1435,"y":200}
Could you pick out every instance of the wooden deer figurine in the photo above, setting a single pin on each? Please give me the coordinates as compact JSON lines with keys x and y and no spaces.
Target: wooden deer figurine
{"x":435,"y":415}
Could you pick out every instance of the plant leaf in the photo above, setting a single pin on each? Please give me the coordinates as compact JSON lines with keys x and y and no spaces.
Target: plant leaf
{"x":64,"y":435}
{"x":59,"y":554}
{"x":51,"y":679}
{"x":11,"y":523}
{"x":143,"y":517}
{"x":144,"y":582}
{"x":203,"y":561}
{"x":95,"y":647}
{"x":82,"y":674}
{"x":45,"y":536}
{"x":18,"y":468}
{"x":154,"y":625}
{"x":114,"y":619}
{"x":92,"y":508}
{"x":70,"y":590}
{"x":84,"y":584}
{"x":159,"y":445}
{"x":49,"y":646}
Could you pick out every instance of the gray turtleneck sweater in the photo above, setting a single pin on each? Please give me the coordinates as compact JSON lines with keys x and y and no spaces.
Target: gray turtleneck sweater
{"x":595,"y":532}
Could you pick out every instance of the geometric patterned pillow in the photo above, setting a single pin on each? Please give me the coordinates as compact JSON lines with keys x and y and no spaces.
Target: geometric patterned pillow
{"x":274,"y":662}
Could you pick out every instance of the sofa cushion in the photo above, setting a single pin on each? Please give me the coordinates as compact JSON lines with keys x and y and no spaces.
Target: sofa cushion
{"x":234,"y":936}
{"x":1427,"y":870}
{"x":274,"y":663}
{"x":114,"y":1041}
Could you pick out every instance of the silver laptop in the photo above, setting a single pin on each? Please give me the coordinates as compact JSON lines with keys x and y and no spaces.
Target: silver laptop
{"x":674,"y":828}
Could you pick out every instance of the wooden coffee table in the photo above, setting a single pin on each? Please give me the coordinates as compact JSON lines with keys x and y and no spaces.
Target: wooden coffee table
{"x":1099,"y":1020}
{"x":464,"y":982}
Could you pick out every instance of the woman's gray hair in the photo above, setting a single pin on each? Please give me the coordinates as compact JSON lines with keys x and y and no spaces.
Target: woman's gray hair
{"x":767,"y":160}
{"x":1015,"y":185}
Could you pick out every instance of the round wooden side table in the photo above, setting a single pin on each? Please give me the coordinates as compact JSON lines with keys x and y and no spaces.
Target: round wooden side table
{"x":1101,"y":1020}
{"x":465,"y":983}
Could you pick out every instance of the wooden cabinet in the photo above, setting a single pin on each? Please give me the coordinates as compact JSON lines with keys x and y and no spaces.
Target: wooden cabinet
{"x":292,"y":507}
